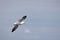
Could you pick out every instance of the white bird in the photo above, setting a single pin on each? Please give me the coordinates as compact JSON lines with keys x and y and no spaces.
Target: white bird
{"x":19,"y":22}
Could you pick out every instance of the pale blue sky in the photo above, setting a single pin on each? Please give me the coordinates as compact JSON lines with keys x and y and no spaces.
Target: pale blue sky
{"x":43,"y":19}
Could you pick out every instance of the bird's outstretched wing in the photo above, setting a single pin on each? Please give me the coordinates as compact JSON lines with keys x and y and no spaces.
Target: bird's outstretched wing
{"x":23,"y":18}
{"x":15,"y":27}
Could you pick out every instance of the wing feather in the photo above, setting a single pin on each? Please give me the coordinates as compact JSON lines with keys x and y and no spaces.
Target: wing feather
{"x":15,"y":27}
{"x":23,"y":18}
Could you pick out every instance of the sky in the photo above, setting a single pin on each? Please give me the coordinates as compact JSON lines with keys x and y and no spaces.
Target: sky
{"x":42,"y":23}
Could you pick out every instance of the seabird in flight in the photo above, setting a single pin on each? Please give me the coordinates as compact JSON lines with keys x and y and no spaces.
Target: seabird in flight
{"x":19,"y":22}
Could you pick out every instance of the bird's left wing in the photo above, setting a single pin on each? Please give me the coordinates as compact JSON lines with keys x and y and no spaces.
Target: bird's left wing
{"x":15,"y":27}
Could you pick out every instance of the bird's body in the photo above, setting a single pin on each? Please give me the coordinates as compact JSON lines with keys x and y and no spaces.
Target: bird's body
{"x":19,"y":22}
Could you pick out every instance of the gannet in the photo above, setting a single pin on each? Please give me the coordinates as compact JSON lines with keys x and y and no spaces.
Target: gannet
{"x":19,"y":22}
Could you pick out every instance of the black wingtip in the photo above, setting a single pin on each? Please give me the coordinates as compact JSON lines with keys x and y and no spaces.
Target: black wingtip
{"x":24,"y":17}
{"x":12,"y":31}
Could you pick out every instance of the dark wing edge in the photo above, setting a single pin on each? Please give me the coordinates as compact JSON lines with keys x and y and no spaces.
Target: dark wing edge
{"x":23,"y":18}
{"x":15,"y":27}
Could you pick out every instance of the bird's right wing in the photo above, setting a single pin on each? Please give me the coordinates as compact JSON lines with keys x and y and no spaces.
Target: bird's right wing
{"x":15,"y":27}
{"x":23,"y":18}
